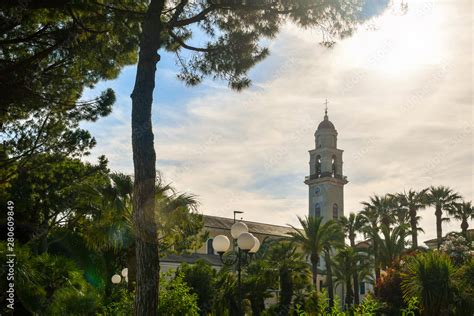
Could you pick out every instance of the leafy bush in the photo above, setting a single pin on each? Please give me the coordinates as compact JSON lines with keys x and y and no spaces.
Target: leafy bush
{"x":457,"y":248}
{"x":176,"y":298}
{"x":412,"y":307}
{"x":72,"y":301}
{"x":370,"y":306}
{"x":51,"y":285}
{"x":201,"y":278}
{"x":463,"y":282}
{"x":428,"y":278}
{"x":121,"y":303}
{"x":389,"y":292}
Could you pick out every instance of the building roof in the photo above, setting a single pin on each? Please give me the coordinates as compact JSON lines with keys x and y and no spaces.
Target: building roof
{"x":432,"y":242}
{"x":326,"y":123}
{"x":363,"y":244}
{"x":217,"y":222}
{"x":192,"y":258}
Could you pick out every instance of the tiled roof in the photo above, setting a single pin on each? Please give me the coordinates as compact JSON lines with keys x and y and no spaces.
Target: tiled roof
{"x":192,"y":258}
{"x":470,"y":232}
{"x":217,"y":222}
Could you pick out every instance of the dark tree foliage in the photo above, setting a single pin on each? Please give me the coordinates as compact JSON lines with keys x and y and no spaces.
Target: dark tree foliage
{"x":51,"y":192}
{"x":201,"y":278}
{"x":464,"y":289}
{"x":49,"y":52}
{"x":390,"y":293}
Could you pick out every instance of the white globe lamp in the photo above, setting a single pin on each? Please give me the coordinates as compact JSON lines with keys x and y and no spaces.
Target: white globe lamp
{"x":237,"y":229}
{"x":125,"y":272}
{"x":246,"y":241}
{"x":220,"y":244}
{"x":256,"y":246}
{"x":116,"y":279}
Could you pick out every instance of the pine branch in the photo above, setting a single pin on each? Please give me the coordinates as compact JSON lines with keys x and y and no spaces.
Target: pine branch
{"x":186,"y":46}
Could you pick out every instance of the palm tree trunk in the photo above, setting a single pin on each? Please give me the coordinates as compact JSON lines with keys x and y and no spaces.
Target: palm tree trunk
{"x":439,"y":227}
{"x":144,"y":160}
{"x":355,"y":277}
{"x":377,"y":265}
{"x":329,"y":280}
{"x":314,"y":270}
{"x":414,"y":231}
{"x":286,"y":288}
{"x":349,"y":294}
{"x":464,"y":227}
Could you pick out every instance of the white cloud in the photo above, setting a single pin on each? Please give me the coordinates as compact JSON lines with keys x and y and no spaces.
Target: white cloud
{"x":402,"y":123}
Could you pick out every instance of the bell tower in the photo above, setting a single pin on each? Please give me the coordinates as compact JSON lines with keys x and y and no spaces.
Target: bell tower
{"x":326,"y":179}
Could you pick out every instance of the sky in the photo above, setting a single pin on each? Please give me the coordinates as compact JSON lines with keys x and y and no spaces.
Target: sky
{"x":399,"y":92}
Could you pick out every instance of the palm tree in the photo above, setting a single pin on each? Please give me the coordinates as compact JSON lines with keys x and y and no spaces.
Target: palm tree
{"x":412,"y":202}
{"x":257,"y":282}
{"x":351,"y":226}
{"x":347,"y":262}
{"x":285,"y":258}
{"x":330,"y":246}
{"x":391,"y":245}
{"x":428,"y":277}
{"x":462,"y":212}
{"x":314,"y":237}
{"x":111,"y":229}
{"x":384,"y":206}
{"x":442,"y":198}
{"x":371,"y":231}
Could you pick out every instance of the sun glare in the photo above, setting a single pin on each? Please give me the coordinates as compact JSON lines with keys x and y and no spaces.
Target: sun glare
{"x":401,"y":43}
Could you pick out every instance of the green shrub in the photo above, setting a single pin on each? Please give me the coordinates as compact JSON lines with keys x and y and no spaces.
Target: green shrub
{"x":463,"y":282}
{"x":428,"y":277}
{"x":72,"y":301}
{"x":370,"y":306}
{"x":201,"y":278}
{"x":51,"y":285}
{"x":176,"y":298}
{"x":121,"y":302}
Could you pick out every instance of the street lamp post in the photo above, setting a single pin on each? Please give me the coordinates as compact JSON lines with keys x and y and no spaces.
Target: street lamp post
{"x":247,"y":244}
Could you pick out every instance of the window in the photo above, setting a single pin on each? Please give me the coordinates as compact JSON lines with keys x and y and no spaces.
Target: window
{"x":318,"y":166}
{"x":334,"y":168}
{"x":335,"y":213}
{"x":210,"y":249}
{"x":317,"y":210}
{"x":362,"y":288}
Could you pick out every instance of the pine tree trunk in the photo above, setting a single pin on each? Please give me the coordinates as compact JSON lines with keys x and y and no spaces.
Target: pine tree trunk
{"x":131,"y":265}
{"x":144,"y":159}
{"x":439,"y":228}
{"x":414,"y":232}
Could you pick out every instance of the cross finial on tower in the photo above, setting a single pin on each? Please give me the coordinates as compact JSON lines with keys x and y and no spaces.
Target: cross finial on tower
{"x":326,"y":110}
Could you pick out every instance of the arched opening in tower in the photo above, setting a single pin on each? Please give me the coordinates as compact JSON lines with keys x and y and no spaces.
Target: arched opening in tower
{"x":318,"y":166}
{"x":334,"y":168}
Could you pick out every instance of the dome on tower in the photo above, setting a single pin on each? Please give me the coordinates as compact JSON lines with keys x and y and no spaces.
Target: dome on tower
{"x":326,"y":123}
